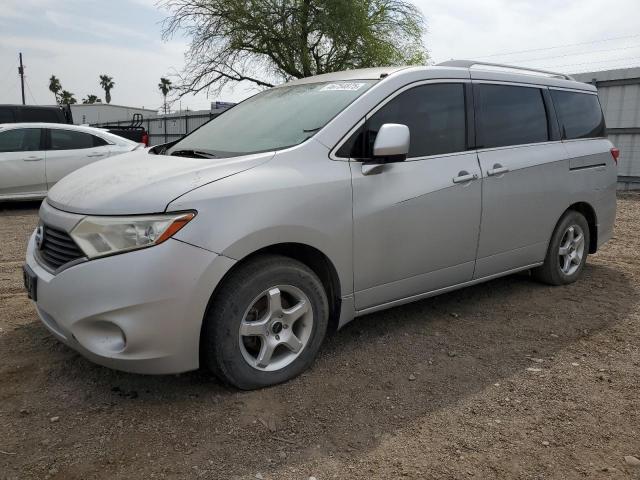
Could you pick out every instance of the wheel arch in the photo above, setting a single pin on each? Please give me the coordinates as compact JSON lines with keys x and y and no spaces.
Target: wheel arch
{"x":589,"y":214}
{"x":313,"y":258}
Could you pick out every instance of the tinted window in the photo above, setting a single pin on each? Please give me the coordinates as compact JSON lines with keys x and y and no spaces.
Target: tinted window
{"x":509,"y":115}
{"x":6,"y":115}
{"x":435,"y":115}
{"x":579,"y":114}
{"x":48,"y":115}
{"x":20,"y":140}
{"x":99,"y":142}
{"x":70,"y":140}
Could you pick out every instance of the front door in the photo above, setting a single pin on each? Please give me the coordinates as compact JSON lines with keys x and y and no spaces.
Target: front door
{"x":22,"y":171}
{"x":416,"y":223}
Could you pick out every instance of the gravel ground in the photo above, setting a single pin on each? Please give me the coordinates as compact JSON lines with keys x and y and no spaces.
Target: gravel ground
{"x":510,"y":379}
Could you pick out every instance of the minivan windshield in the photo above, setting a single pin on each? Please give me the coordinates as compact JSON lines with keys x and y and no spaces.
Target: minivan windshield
{"x":274,"y":119}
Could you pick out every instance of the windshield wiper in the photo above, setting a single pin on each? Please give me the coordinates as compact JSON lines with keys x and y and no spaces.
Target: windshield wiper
{"x":192,"y":153}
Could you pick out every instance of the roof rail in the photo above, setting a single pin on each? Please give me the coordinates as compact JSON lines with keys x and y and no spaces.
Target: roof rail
{"x":471,"y":63}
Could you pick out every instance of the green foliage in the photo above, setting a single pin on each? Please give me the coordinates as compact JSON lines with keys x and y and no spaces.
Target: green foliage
{"x":91,"y":99}
{"x":55,"y":87}
{"x":265,"y":41}
{"x":107,"y":83}
{"x":67,"y":98}
{"x":164,"y":86}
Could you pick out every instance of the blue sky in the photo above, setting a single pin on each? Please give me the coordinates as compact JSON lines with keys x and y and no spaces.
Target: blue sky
{"x":77,"y":40}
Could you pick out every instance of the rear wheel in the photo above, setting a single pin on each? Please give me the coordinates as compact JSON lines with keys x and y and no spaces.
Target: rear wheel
{"x":266,"y":323}
{"x":567,"y":252}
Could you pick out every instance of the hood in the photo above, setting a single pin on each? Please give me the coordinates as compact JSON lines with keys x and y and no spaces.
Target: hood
{"x":139,"y":182}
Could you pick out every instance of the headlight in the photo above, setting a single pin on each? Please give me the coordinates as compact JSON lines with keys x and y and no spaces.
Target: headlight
{"x":100,"y":236}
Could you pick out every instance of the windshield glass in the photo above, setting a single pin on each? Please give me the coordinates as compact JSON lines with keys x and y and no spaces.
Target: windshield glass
{"x":274,"y":119}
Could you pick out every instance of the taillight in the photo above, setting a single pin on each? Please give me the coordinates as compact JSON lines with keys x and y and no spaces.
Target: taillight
{"x":145,"y":139}
{"x":615,"y":153}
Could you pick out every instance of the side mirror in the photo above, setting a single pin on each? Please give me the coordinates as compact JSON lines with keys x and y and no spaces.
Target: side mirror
{"x":392,"y":143}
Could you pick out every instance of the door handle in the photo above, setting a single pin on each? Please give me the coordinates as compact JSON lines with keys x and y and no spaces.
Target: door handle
{"x":96,"y":155}
{"x":465,"y":177}
{"x":32,"y":159}
{"x":497,"y":170}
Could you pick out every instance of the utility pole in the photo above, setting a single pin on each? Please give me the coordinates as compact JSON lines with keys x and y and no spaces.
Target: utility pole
{"x":21,"y":72}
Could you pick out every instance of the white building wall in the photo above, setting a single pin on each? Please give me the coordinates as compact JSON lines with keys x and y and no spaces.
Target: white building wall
{"x":106,"y":113}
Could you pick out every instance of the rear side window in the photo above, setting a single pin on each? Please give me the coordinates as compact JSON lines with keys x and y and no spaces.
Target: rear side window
{"x":435,"y":115}
{"x":510,"y":115}
{"x":20,"y":140}
{"x":70,"y":140}
{"x":579,"y":114}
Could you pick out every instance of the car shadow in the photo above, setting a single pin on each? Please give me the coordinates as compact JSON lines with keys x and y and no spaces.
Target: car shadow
{"x":22,"y":207}
{"x":359,"y":390}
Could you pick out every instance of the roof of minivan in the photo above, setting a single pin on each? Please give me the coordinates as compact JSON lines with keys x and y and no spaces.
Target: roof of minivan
{"x":356,"y":74}
{"x":504,"y":73}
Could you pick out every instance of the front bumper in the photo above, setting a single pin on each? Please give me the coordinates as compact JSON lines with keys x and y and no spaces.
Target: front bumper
{"x":139,"y":312}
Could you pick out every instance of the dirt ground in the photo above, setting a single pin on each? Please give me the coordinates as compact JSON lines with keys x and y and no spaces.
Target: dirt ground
{"x":510,"y":379}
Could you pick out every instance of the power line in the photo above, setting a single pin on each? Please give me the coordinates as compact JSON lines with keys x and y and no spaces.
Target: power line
{"x":578,"y":53}
{"x":558,"y":46}
{"x":29,"y":90}
{"x":605,"y":68}
{"x":625,"y":59}
{"x":4,"y":77}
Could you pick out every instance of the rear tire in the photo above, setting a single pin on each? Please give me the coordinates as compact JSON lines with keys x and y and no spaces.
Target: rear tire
{"x":567,"y":252}
{"x":266,"y":323}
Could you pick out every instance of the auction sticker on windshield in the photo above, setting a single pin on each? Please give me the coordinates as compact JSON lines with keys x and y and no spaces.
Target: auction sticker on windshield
{"x":346,"y":86}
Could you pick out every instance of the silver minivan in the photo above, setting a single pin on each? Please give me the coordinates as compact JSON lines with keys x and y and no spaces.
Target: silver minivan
{"x":239,"y":246}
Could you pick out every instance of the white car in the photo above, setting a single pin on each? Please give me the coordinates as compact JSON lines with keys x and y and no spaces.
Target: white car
{"x":34,"y":156}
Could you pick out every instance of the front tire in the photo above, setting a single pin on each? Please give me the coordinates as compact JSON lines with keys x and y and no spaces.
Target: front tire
{"x":567,"y":252}
{"x":266,"y":323}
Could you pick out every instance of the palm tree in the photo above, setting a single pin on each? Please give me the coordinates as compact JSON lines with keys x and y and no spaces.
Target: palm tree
{"x":91,"y":99}
{"x":66,"y":98}
{"x":107,"y":83}
{"x":165,"y":87}
{"x":55,"y":87}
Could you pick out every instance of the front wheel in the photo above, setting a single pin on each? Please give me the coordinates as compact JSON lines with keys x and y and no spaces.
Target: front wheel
{"x":567,"y":252}
{"x":266,"y":323}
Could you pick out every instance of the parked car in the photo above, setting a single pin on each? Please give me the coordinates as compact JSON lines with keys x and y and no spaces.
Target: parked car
{"x":35,"y":113}
{"x":34,"y":156}
{"x":315,"y":202}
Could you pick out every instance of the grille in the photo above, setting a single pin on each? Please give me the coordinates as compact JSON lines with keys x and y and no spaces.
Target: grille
{"x":58,"y":248}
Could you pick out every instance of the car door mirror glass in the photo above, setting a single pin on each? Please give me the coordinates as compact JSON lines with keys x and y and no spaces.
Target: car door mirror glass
{"x":391,"y":143}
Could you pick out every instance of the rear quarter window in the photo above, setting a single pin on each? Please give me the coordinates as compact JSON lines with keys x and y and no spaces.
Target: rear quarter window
{"x":579,"y":114}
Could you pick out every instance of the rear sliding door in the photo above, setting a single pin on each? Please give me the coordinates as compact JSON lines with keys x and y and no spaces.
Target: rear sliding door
{"x":525,"y":175}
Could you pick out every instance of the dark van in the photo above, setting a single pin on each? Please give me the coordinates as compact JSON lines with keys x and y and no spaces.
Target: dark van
{"x":34,"y":113}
